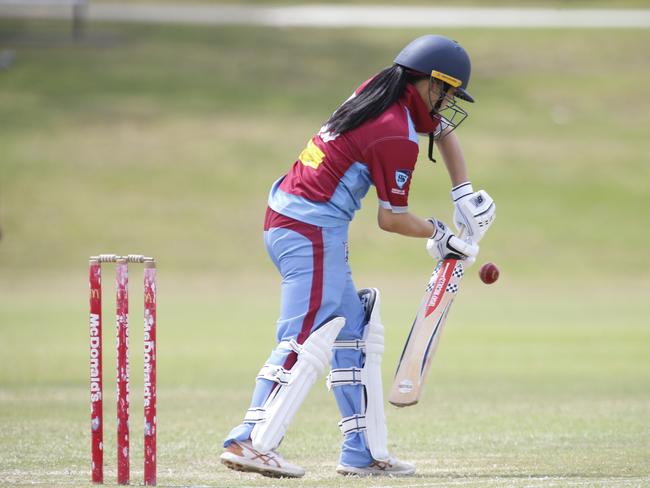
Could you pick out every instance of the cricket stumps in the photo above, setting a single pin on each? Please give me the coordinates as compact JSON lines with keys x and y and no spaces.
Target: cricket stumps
{"x":122,"y":380}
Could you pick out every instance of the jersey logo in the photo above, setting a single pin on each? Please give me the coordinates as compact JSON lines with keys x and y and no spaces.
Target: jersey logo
{"x":401,"y":177}
{"x":312,"y":155}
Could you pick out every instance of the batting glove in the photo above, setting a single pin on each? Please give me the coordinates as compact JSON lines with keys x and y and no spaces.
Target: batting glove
{"x":443,"y":243}
{"x":474,"y":211}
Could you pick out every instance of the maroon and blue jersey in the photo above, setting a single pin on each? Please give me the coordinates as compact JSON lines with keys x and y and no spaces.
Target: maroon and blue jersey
{"x":334,"y":172}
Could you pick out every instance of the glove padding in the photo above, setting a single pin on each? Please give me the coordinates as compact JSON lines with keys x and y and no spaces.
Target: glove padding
{"x":474,"y":211}
{"x":444,"y":243}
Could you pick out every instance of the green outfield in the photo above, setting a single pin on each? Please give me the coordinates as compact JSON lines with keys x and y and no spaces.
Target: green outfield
{"x":164,"y":140}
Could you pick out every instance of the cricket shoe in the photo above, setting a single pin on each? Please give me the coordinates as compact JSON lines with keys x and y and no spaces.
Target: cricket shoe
{"x":241,"y":456}
{"x":392,"y":467}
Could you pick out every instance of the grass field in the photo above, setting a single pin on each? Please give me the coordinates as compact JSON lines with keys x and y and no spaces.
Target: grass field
{"x":164,"y":140}
{"x":519,"y":395}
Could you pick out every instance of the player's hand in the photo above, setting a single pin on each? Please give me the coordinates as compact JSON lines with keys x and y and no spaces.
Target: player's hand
{"x":443,"y":243}
{"x":475,"y":211}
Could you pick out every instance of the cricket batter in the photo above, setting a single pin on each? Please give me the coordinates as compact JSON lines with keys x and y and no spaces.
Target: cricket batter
{"x":371,"y":139}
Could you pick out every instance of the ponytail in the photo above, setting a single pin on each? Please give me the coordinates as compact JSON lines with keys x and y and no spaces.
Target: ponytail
{"x":380,"y":93}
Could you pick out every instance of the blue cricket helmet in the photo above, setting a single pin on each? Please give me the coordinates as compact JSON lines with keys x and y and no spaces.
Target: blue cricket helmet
{"x":440,"y":58}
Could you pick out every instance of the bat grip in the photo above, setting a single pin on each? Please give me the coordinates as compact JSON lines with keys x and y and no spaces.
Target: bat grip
{"x":460,"y":235}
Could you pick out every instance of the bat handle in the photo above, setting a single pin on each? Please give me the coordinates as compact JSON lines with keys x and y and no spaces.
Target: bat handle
{"x":460,"y":235}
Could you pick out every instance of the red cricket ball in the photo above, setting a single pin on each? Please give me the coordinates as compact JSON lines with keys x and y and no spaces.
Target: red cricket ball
{"x":489,"y":273}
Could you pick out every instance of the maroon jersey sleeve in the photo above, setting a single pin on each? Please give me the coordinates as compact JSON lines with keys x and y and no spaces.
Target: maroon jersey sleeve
{"x":391,"y":162}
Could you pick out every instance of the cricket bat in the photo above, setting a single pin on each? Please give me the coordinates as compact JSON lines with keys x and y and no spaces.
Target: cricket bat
{"x":427,"y":327}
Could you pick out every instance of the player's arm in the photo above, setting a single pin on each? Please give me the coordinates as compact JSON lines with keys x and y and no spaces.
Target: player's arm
{"x":452,"y":155}
{"x":391,"y":162}
{"x":474,"y":211}
{"x":441,"y":241}
{"x":406,"y":224}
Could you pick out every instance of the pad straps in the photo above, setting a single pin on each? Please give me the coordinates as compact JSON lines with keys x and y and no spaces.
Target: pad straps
{"x":358,"y":344}
{"x":275,"y":373}
{"x":254,"y":415}
{"x":354,"y":423}
{"x":345,"y":376}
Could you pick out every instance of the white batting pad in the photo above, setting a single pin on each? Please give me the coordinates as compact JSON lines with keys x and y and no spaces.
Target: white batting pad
{"x":283,"y":403}
{"x":376,"y":431}
{"x":373,"y":423}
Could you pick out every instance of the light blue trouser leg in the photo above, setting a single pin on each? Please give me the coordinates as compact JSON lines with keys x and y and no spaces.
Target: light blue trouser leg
{"x":306,"y":301}
{"x":293,"y":256}
{"x":350,"y":398}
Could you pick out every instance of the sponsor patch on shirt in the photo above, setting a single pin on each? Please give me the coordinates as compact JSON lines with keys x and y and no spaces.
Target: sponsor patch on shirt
{"x":312,"y":155}
{"x":401,"y":177}
{"x":397,"y":191}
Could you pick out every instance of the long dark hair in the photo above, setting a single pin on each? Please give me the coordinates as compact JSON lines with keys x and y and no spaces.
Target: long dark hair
{"x":379,"y":94}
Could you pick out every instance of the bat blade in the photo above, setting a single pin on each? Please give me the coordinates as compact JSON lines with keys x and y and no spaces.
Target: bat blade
{"x":424,"y":336}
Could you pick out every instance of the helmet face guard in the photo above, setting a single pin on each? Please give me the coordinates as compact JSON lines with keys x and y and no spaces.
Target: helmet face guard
{"x":446,"y":110}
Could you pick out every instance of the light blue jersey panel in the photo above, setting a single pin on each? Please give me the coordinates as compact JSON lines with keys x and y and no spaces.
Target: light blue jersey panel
{"x":339,"y":210}
{"x":413,"y":135}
